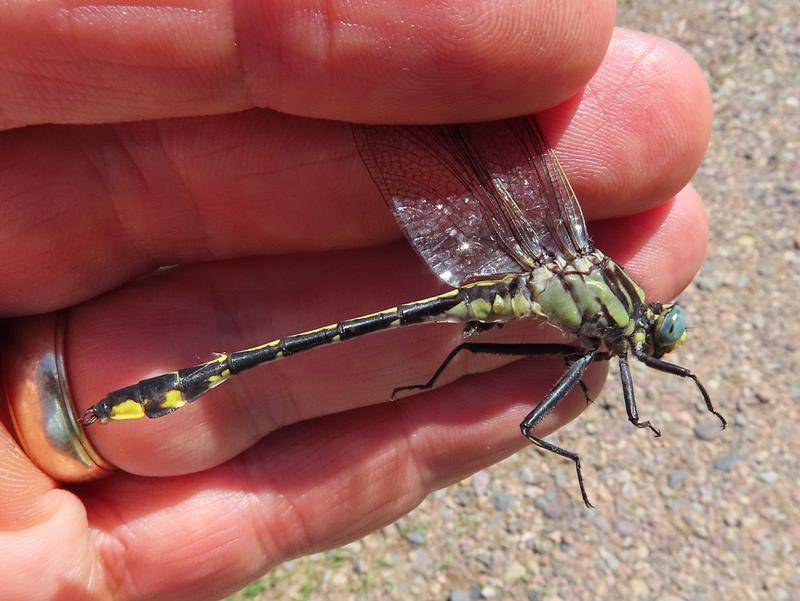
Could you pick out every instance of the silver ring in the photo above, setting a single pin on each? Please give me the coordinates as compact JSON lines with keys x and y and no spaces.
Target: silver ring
{"x":38,"y":395}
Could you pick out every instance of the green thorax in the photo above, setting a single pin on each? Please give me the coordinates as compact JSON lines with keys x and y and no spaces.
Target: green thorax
{"x":590,"y":296}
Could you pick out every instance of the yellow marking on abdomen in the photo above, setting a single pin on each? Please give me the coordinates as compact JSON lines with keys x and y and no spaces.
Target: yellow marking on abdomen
{"x":128,"y":409}
{"x":173,"y":400}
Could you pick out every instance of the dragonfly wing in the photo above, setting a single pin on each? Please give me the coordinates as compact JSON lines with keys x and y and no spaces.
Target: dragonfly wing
{"x":475,"y":200}
{"x":530,"y":188}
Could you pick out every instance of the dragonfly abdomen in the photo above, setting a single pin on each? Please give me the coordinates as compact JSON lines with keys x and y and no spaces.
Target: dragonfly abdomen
{"x":163,"y":394}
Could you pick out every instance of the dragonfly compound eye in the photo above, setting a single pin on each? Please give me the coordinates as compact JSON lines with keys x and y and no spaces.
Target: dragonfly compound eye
{"x":671,"y":328}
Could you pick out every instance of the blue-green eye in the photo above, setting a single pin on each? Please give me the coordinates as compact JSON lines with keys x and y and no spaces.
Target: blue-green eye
{"x":671,"y":328}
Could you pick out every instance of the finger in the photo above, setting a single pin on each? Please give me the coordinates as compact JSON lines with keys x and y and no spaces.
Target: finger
{"x":44,"y":544}
{"x":670,"y":243}
{"x":399,"y":61}
{"x":314,"y":486}
{"x":256,"y":183}
{"x":642,"y":128}
{"x":182,"y":317}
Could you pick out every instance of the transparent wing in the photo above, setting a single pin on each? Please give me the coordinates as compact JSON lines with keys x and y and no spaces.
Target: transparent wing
{"x":476,"y":199}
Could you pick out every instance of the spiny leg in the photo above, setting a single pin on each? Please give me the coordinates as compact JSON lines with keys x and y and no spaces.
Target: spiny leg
{"x":491,"y":348}
{"x":630,"y":397}
{"x":582,"y":384}
{"x":677,"y":370}
{"x":599,"y":356}
{"x":557,"y":394}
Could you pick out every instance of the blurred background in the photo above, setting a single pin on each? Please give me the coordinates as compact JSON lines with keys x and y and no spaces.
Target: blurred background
{"x":697,"y":515}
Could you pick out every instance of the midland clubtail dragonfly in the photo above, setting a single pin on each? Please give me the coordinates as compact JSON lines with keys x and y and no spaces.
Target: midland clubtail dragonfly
{"x":487,"y":206}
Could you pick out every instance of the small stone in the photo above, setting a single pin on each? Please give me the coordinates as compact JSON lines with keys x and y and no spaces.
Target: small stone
{"x":360,"y":567}
{"x":460,"y":595}
{"x":420,"y":561}
{"x":639,"y":588}
{"x":526,"y":475}
{"x":516,"y":571}
{"x":610,"y":559}
{"x":501,"y":500}
{"x":463,"y":497}
{"x":415,"y":537}
{"x":536,"y":594}
{"x":480,"y":482}
{"x":725,"y":463}
{"x":487,"y":592}
{"x":627,"y":527}
{"x":707,"y":282}
{"x":675,"y":478}
{"x":780,"y":594}
{"x":769,"y":477}
{"x":707,"y":429}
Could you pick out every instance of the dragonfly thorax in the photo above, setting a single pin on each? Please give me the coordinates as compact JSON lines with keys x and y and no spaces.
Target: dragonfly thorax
{"x":591,"y":297}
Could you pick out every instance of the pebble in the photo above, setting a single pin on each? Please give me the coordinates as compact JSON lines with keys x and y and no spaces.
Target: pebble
{"x":610,"y":560}
{"x":415,"y":537}
{"x":480,"y":482}
{"x":526,"y":475}
{"x":501,"y":500}
{"x":627,"y":527}
{"x":675,"y":478}
{"x":707,"y":429}
{"x":516,"y":571}
{"x":536,"y":594}
{"x":420,"y":561}
{"x":726,"y":462}
{"x":770,"y":477}
{"x":460,"y":595}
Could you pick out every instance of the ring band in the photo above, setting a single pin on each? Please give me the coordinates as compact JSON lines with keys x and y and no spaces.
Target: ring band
{"x":38,"y":395}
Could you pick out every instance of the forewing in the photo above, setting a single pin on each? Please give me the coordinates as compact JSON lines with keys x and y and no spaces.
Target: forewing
{"x":531,"y":188}
{"x":475,"y":200}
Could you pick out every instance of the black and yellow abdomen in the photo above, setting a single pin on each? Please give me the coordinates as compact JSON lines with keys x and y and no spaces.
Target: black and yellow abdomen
{"x":484,"y":301}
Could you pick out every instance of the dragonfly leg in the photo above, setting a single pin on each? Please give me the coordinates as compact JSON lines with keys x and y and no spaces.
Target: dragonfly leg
{"x":557,"y":394}
{"x":491,"y":348}
{"x":630,"y":398}
{"x":606,"y":406}
{"x":677,"y":370}
{"x":479,"y":327}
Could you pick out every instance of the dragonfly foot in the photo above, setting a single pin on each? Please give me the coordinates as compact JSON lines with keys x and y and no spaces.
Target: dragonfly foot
{"x":543,"y":444}
{"x":401,"y":389}
{"x":647,"y":424}
{"x":88,"y":418}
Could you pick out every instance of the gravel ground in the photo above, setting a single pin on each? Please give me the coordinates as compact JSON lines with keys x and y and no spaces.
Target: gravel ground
{"x":696,"y":515}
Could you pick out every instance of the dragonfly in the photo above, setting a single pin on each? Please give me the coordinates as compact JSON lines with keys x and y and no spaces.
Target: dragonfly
{"x":489,"y":209}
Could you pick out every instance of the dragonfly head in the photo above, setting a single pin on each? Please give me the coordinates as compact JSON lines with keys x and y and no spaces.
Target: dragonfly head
{"x":668,"y":328}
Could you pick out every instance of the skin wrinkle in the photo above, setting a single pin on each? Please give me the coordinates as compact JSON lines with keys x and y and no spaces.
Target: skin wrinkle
{"x":124,"y":225}
{"x":423,"y":476}
{"x":263,"y":529}
{"x":116,"y":575}
{"x":248,"y":76}
{"x":199,"y":224}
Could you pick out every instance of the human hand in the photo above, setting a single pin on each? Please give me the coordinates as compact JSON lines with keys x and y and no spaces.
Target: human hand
{"x":278,"y":229}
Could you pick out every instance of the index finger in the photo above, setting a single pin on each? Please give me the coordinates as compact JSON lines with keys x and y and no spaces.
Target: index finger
{"x":466,"y":60}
